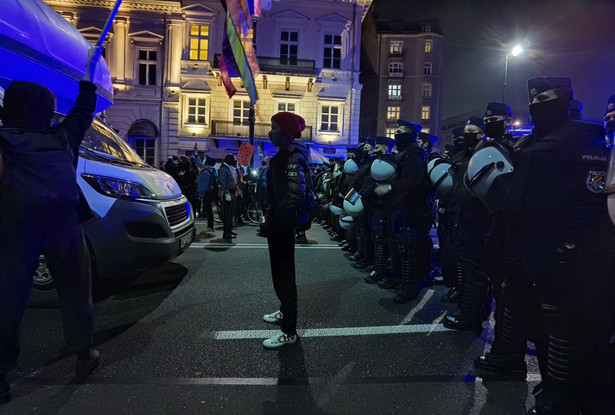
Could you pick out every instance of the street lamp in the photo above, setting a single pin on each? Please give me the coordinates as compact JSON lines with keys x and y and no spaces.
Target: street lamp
{"x":514,"y":52}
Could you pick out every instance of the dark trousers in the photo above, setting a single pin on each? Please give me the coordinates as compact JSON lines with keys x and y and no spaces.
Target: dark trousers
{"x":228,"y":209}
{"x":68,"y":260}
{"x":281,"y":241}
{"x":207,"y":208}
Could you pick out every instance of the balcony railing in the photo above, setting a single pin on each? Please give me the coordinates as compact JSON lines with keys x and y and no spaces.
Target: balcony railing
{"x":395,"y":98}
{"x":224,"y":128}
{"x":281,"y":65}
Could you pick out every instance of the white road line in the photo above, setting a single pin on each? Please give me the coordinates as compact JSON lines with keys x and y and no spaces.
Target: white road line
{"x":333,"y":332}
{"x":438,"y":320}
{"x":253,"y":246}
{"x":419,"y":306}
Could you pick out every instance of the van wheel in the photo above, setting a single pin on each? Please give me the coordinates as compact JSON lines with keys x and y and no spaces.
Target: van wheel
{"x":44,"y":292}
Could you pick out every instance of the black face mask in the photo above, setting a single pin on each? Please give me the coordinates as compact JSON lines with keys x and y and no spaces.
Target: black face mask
{"x":495,"y":129}
{"x":470,"y":139}
{"x":549,"y":114}
{"x":276,"y":138}
{"x":403,"y":139}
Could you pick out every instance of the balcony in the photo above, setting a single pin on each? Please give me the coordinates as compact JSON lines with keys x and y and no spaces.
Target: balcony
{"x":224,"y":128}
{"x":280,"y":66}
{"x":394,"y":98}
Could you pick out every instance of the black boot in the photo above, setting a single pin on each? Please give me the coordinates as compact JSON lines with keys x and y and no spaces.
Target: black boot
{"x":409,"y":278}
{"x":380,"y":263}
{"x":472,"y":304}
{"x":87,"y":362}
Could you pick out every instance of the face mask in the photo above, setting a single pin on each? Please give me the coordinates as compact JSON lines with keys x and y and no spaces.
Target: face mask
{"x":495,"y":129}
{"x":404,"y":139}
{"x":276,"y":138}
{"x":470,"y":138}
{"x":549,"y":113}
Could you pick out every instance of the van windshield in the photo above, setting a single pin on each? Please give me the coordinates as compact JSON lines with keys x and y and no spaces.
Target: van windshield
{"x":101,"y":142}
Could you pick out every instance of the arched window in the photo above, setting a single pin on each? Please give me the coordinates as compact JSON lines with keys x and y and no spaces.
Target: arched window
{"x":142,"y":135}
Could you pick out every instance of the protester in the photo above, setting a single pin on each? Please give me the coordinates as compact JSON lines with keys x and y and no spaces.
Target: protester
{"x":41,"y":212}
{"x":290,"y":198}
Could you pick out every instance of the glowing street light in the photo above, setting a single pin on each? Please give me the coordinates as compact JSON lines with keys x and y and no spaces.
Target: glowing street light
{"x":516,"y":51}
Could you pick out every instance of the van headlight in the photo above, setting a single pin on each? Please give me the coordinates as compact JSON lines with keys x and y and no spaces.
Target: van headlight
{"x":112,"y":187}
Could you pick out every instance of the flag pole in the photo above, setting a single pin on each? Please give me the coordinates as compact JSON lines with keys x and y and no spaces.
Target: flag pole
{"x":110,"y":19}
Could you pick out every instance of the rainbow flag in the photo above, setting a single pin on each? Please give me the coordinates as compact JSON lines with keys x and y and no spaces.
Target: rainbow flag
{"x":235,"y":54}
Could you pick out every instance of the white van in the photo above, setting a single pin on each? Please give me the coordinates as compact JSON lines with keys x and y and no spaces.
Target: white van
{"x":142,"y":218}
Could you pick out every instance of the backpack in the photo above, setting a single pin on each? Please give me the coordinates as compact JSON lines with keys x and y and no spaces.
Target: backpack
{"x":39,"y":175}
{"x":214,"y":182}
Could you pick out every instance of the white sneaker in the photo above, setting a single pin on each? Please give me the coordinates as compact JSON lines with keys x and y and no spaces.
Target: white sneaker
{"x":274,"y":318}
{"x":279,"y":340}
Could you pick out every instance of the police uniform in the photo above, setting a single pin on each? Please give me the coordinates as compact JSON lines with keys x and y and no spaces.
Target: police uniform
{"x":411,"y":212}
{"x":560,"y":253}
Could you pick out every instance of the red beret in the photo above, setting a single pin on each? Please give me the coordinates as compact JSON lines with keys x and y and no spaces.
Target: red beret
{"x":290,"y":124}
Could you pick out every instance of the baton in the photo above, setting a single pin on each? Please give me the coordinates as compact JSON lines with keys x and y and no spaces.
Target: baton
{"x":103,"y":34}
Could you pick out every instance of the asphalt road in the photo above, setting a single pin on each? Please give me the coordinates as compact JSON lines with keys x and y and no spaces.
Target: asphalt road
{"x":187,"y":339}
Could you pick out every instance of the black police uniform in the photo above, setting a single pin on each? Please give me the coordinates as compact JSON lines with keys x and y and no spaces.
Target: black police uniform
{"x":560,"y":255}
{"x":411,"y":217}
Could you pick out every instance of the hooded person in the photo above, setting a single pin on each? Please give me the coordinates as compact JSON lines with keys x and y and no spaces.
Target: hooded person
{"x":42,"y":211}
{"x":289,"y":201}
{"x":207,"y":190}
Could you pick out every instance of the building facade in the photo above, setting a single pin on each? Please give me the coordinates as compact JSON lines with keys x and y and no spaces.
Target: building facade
{"x":401,"y":72}
{"x":168,"y":95}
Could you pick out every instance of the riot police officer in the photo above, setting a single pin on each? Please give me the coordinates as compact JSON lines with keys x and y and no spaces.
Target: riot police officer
{"x":411,"y":213}
{"x":560,"y":255}
{"x":383,"y":169}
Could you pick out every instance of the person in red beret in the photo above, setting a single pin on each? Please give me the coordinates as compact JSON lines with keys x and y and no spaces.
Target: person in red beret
{"x":290,"y":198}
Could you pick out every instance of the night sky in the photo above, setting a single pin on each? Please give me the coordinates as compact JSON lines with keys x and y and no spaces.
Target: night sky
{"x":571,"y":38}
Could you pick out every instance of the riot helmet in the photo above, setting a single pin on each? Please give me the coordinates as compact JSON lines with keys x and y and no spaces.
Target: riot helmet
{"x":353,"y":205}
{"x":440,"y":175}
{"x":487,"y":175}
{"x":384,"y":169}
{"x":336,"y":210}
{"x":350,"y":167}
{"x":346,"y":222}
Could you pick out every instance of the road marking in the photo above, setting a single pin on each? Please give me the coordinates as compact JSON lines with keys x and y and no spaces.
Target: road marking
{"x":263,"y":381}
{"x":419,"y":306}
{"x":214,"y":245}
{"x":332,"y":332}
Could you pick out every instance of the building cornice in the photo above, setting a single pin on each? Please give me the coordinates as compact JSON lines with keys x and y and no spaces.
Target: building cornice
{"x":127,"y":5}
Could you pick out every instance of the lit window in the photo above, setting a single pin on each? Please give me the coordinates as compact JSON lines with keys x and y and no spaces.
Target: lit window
{"x":146,"y":149}
{"x":199,"y":42}
{"x":425,"y":112}
{"x":289,"y":45}
{"x":391,"y":132}
{"x":241,"y":112}
{"x":195,"y":110}
{"x":427,"y":68}
{"x":396,"y":68}
{"x":147,"y":61}
{"x":426,"y":90}
{"x":425,"y":130}
{"x":286,"y":107}
{"x":396,"y":47}
{"x":333,"y":51}
{"x":329,"y":118}
{"x":394,"y":91}
{"x":428,"y":46}
{"x":393,"y":113}
{"x":427,"y":27}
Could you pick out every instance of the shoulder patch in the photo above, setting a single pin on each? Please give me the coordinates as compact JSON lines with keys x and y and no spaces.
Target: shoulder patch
{"x":595,"y":181}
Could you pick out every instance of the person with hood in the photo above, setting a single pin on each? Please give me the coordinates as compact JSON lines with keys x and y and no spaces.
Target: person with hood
{"x":41,"y":212}
{"x":289,"y":200}
{"x":207,"y":190}
{"x":228,"y":187}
